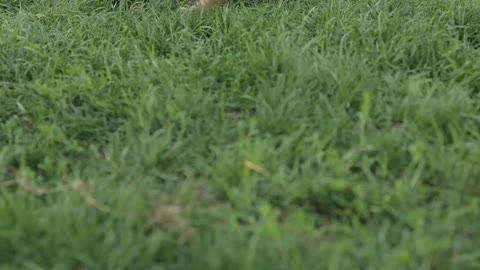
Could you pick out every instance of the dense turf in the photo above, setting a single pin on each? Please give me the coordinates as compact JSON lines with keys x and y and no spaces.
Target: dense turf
{"x":329,"y":134}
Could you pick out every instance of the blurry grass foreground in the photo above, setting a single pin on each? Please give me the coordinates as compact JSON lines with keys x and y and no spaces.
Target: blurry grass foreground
{"x":301,"y":134}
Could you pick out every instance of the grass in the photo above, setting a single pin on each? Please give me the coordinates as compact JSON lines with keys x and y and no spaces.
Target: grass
{"x":303,"y":134}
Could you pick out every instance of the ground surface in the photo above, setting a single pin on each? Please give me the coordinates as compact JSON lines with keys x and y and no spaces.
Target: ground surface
{"x":327,"y":134}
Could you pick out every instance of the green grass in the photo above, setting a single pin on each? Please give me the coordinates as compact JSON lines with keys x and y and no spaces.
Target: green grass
{"x":332,"y":134}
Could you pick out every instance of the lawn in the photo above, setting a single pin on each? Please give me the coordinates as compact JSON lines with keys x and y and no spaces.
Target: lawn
{"x":308,"y":134}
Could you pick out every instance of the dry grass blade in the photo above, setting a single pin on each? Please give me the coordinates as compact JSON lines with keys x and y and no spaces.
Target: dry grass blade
{"x":81,"y":187}
{"x":256,"y":168}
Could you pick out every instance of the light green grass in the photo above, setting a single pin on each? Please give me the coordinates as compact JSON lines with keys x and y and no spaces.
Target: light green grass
{"x":328,"y":134}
